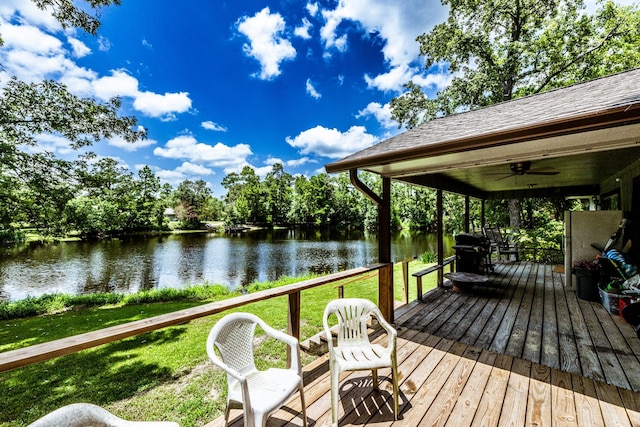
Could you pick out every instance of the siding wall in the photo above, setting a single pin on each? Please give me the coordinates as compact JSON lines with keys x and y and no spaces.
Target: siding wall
{"x":625,"y":184}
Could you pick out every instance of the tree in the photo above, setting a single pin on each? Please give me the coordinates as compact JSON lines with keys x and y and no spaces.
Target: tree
{"x":497,"y":50}
{"x":108,"y":203}
{"x":278,"y":193}
{"x":28,"y":110}
{"x":192,"y":199}
{"x":245,"y":197}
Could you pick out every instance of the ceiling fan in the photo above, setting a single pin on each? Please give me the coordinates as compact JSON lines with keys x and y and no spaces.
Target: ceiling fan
{"x":524,"y":168}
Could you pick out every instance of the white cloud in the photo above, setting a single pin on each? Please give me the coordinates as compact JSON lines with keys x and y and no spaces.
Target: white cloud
{"x":263,"y":171}
{"x":291,"y":163}
{"x":146,"y":43}
{"x":29,"y":38}
{"x":303,"y":30}
{"x":312,"y":8}
{"x":170,"y":176}
{"x":31,"y":54}
{"x":299,"y":162}
{"x":79,"y":48}
{"x":395,"y":23}
{"x":30,"y":67}
{"x":119,"y":83}
{"x":382,"y":114}
{"x":28,"y":11}
{"x":156,"y":105}
{"x":311,"y":90}
{"x":398,"y":23}
{"x":130,"y":146}
{"x":331,"y":142}
{"x":104,"y":45}
{"x":209,"y":125}
{"x":191,"y":169}
{"x":266,"y":44}
{"x":392,"y":80}
{"x":186,"y":147}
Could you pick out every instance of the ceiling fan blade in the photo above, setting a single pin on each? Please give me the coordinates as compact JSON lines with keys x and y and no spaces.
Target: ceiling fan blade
{"x":542,"y":173}
{"x":542,"y":169}
{"x":506,"y":176}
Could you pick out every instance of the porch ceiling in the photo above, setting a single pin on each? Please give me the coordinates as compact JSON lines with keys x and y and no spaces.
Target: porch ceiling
{"x":578,"y":168}
{"x":586,"y":133}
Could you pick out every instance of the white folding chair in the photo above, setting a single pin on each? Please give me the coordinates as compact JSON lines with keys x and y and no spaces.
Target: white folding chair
{"x":258,"y":393}
{"x":353,"y":350}
{"x":87,"y":414}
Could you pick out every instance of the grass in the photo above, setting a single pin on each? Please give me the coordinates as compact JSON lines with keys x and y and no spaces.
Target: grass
{"x":162,"y":375}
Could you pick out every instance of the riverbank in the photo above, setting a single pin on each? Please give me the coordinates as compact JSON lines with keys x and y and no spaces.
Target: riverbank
{"x":159,"y":375}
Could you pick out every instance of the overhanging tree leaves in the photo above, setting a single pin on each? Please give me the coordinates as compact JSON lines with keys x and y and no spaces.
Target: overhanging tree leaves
{"x":30,"y":110}
{"x":496,"y":50}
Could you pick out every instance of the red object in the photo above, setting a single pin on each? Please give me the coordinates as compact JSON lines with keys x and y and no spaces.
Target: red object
{"x":622,"y":302}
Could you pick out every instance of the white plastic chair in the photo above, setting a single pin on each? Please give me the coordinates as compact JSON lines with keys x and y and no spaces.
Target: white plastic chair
{"x":87,"y":414}
{"x":354,"y":351}
{"x":258,"y":393}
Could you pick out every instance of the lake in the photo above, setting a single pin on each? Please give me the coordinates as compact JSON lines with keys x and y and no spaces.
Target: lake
{"x":178,"y":260}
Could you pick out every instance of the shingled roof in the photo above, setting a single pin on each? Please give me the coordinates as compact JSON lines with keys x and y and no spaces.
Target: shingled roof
{"x":601,"y":103}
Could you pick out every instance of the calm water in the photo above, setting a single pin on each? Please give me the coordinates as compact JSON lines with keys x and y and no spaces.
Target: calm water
{"x":175,"y":261}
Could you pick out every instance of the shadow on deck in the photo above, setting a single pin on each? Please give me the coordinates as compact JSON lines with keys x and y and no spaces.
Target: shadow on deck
{"x":523,"y":351}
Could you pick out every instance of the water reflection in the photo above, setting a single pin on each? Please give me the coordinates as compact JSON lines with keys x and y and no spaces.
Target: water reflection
{"x":176,"y":261}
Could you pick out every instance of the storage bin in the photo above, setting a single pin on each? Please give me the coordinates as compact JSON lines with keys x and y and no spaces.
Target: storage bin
{"x":612,"y":302}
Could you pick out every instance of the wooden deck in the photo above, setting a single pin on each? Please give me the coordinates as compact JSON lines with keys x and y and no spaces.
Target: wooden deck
{"x":524,"y":351}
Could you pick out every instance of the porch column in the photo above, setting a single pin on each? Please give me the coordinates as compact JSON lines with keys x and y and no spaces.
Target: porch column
{"x":467,"y":217}
{"x":440,"y":233}
{"x":385,"y":275}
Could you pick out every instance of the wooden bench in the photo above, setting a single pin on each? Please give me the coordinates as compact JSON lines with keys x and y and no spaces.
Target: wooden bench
{"x":418,"y":274}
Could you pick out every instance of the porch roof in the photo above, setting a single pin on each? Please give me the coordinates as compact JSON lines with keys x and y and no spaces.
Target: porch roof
{"x":586,"y":133}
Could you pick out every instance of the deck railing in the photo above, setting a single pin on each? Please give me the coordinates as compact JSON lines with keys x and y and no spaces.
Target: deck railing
{"x":41,"y":352}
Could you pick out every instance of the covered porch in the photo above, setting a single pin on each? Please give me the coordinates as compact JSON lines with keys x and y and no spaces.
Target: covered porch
{"x":523,"y":350}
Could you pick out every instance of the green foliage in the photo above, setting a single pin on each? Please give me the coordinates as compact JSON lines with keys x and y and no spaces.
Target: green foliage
{"x":54,"y":303}
{"x":495,"y":51}
{"x":542,"y":243}
{"x":428,"y":257}
{"x":12,"y":236}
{"x":35,"y":186}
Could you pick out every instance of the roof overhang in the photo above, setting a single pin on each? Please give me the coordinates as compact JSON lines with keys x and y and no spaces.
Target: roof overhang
{"x":585,"y":143}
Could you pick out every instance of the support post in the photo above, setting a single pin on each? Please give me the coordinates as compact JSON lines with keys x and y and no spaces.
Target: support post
{"x":293,"y":321}
{"x":385,"y":284}
{"x":467,"y":216}
{"x":385,"y":280}
{"x":405,"y":281}
{"x":440,"y":233}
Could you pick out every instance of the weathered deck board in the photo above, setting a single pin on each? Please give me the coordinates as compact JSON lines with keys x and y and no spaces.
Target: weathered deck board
{"x":553,"y":366}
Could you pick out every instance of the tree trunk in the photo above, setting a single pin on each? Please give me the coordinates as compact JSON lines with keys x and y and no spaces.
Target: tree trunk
{"x":515,"y":211}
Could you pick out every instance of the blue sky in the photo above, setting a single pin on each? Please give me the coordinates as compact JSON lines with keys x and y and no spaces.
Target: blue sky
{"x":224,"y":84}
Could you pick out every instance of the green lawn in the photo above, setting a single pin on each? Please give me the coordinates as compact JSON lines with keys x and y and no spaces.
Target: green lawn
{"x":159,"y":375}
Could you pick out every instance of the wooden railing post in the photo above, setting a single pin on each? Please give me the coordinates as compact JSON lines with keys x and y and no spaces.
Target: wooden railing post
{"x":293,"y":321}
{"x":405,"y":281}
{"x":385,"y":288}
{"x":440,"y":233}
{"x":419,"y":288}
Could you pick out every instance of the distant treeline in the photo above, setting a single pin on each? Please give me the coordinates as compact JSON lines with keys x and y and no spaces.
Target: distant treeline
{"x":101,"y":198}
